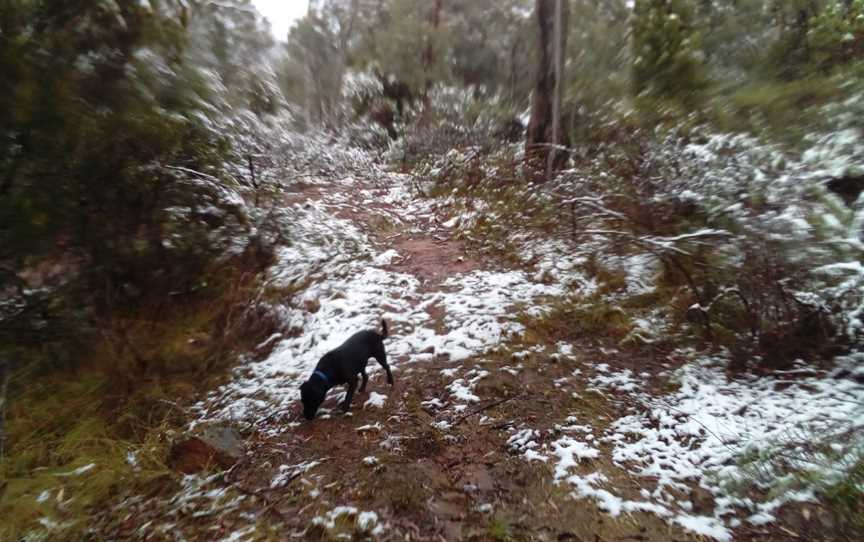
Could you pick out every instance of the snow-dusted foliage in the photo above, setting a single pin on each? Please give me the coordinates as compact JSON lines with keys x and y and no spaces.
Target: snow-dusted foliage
{"x":459,"y":118}
{"x":364,"y":112}
{"x":730,"y":239}
{"x":841,"y":151}
{"x":762,"y":248}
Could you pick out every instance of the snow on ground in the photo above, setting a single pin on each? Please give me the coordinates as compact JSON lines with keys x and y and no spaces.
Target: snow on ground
{"x":714,"y":433}
{"x":621,"y":380}
{"x":289,"y":472}
{"x":706,"y":431}
{"x":461,"y":389}
{"x":721,"y":435}
{"x":350,"y":516}
{"x":524,"y":441}
{"x":726,"y":437}
{"x":196,"y":493}
{"x":376,"y":400}
{"x":344,"y":286}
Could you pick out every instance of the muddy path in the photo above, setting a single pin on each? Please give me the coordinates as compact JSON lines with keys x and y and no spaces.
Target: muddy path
{"x":427,"y":249}
{"x":473,"y":440}
{"x":465,"y":483}
{"x":439,"y":455}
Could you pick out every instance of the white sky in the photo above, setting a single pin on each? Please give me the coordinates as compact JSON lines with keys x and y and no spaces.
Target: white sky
{"x":282,"y":14}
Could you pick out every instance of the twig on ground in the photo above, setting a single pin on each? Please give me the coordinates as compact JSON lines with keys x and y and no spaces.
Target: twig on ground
{"x":502,"y":425}
{"x":788,"y":532}
{"x":484,"y":408}
{"x":269,"y":504}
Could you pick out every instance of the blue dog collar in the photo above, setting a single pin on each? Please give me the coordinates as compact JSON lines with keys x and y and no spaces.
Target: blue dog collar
{"x":322,"y":375}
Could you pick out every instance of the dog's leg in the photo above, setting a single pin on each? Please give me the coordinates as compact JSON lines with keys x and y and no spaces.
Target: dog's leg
{"x":381,"y":357}
{"x":352,"y":385}
{"x":365,"y":380}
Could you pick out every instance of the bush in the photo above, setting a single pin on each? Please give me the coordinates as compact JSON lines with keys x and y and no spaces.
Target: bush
{"x":755,"y":240}
{"x":460,"y":118}
{"x":112,"y":403}
{"x":109,"y":154}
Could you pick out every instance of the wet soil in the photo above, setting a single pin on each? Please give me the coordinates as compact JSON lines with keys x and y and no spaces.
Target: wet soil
{"x":445,"y":475}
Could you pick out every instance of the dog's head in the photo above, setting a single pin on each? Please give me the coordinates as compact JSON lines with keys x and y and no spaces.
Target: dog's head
{"x":312,"y":395}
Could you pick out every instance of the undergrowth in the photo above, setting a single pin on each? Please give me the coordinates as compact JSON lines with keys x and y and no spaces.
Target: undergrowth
{"x":573,"y":319}
{"x":753,"y":253}
{"x":829,"y":467}
{"x":499,"y":529}
{"x":87,"y":432}
{"x":846,"y":497}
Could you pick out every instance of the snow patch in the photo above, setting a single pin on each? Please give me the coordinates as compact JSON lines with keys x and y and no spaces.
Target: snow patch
{"x":376,"y":400}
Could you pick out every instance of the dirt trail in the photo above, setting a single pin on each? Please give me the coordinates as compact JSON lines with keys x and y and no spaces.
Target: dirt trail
{"x":427,"y":472}
{"x":465,"y":446}
{"x":427,"y":249}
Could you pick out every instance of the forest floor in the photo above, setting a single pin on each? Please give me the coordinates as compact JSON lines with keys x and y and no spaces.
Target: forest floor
{"x":495,"y":428}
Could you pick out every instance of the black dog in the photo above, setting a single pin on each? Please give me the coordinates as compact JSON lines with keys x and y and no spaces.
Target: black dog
{"x":341,"y":366}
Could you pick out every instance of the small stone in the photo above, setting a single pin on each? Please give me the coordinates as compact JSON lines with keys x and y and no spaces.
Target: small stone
{"x":211,"y":445}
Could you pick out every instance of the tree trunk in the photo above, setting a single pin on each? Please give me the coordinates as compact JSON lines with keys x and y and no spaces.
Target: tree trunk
{"x":514,"y":50}
{"x":543,"y":128}
{"x":556,"y":97}
{"x":429,"y":61}
{"x":346,"y":31}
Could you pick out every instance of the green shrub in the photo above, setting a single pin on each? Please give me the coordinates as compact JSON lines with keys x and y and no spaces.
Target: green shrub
{"x":846,"y":497}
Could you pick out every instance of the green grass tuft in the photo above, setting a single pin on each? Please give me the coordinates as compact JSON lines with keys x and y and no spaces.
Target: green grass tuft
{"x":499,"y":529}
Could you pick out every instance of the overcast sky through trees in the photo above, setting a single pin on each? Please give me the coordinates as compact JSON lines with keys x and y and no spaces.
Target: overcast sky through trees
{"x":282,"y":14}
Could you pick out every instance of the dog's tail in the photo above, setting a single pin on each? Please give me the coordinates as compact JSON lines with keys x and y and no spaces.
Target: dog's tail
{"x":384,"y":331}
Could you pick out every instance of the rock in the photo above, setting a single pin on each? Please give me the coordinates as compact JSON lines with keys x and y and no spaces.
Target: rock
{"x":209,"y":446}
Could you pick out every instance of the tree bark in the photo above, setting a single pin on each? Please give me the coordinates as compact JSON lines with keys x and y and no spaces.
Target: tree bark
{"x":514,"y":50}
{"x":556,"y":95}
{"x":429,"y":61}
{"x":346,"y":31}
{"x":542,"y":127}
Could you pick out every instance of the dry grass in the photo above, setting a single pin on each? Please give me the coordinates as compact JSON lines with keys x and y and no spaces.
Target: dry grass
{"x":574,"y":319}
{"x":123,"y":395}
